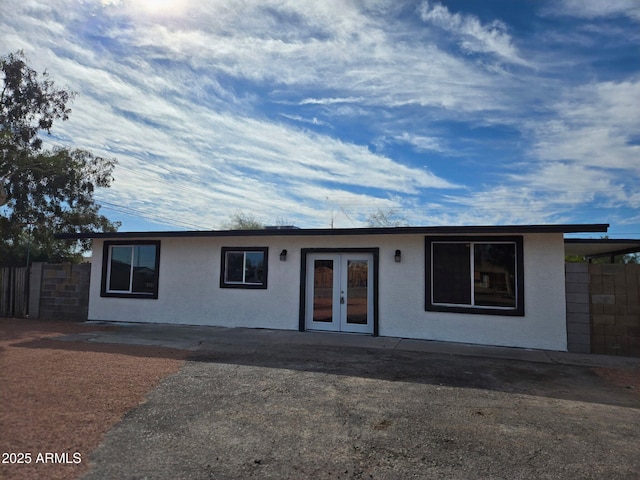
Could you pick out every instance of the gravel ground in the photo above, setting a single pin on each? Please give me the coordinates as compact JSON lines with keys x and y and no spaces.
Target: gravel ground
{"x":240,"y":408}
{"x":61,"y":398}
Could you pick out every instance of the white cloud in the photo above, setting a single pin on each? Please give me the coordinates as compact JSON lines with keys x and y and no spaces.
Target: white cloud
{"x":474,"y":36}
{"x":301,"y":119}
{"x":594,"y":125}
{"x":330,"y":101}
{"x":343,"y":49}
{"x":239,"y":162}
{"x":552,"y":192}
{"x":595,"y":8}
{"x":421,"y":143}
{"x":186,"y":103}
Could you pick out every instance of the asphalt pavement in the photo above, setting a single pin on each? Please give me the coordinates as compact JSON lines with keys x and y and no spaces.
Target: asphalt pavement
{"x":272,"y":404}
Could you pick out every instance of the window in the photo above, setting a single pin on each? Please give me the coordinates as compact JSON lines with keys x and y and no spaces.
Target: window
{"x":130,"y":269}
{"x":244,"y":267}
{"x":475,"y":275}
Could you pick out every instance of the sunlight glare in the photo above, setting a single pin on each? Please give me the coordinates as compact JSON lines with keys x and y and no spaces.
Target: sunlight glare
{"x":160,"y":6}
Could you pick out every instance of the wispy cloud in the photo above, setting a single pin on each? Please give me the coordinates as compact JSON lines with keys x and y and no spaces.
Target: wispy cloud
{"x":595,"y":126}
{"x":595,"y":8}
{"x":312,"y":121}
{"x":421,"y":143}
{"x":330,"y":101}
{"x":473,"y":36}
{"x":290,"y":109}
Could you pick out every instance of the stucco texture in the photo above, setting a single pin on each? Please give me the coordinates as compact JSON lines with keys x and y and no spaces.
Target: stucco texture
{"x":190,"y":293}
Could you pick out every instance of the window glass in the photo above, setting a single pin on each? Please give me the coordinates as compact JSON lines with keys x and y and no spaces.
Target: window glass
{"x":451,"y":273}
{"x":254,"y":267}
{"x":494,"y":274}
{"x":244,"y":267}
{"x":120,"y":278}
{"x":235,"y":267}
{"x":475,"y":274}
{"x":144,"y":270}
{"x":323,"y":291}
{"x":130,"y":270}
{"x":357,"y":300}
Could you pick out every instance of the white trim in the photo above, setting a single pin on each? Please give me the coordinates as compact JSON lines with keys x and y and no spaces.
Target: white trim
{"x":131,"y":259}
{"x":339,"y":291}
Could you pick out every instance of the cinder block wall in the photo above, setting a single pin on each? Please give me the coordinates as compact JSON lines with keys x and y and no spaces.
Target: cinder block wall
{"x":615,"y":309}
{"x":63,"y":292}
{"x":578,"y":311}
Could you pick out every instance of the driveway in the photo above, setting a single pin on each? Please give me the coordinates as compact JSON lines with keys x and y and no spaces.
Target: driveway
{"x":269,"y":404}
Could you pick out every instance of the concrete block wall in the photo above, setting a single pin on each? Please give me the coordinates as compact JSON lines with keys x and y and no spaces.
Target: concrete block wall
{"x":35,"y":284}
{"x":59,"y":291}
{"x":615,"y":309}
{"x":578,"y":307}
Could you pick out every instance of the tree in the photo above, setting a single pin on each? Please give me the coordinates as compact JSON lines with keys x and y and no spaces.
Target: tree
{"x":388,"y":218}
{"x":43,"y":192}
{"x":243,"y":221}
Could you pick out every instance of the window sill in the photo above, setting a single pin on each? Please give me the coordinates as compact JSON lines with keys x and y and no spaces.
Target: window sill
{"x":509,"y":312}
{"x":144,"y":296}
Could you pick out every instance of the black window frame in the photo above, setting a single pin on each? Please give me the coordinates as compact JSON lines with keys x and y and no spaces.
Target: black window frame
{"x":244,"y":285}
{"x":106,"y":256}
{"x":475,"y":309}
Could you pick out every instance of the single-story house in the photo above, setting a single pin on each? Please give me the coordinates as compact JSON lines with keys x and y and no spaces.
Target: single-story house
{"x":492,"y":285}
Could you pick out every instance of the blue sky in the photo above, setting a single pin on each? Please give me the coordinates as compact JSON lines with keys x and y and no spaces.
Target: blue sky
{"x":313,"y":113}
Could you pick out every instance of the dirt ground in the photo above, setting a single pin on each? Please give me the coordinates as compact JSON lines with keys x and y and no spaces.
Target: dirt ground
{"x":272,"y":410}
{"x":61,"y":398}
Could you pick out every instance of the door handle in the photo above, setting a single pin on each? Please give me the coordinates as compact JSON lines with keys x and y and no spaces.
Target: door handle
{"x":342,"y":298}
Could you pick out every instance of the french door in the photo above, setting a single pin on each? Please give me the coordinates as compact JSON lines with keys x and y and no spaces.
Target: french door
{"x":339,"y":292}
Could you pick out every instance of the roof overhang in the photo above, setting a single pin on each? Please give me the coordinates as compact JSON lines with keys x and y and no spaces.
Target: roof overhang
{"x":594,"y":248}
{"x":441,"y":230}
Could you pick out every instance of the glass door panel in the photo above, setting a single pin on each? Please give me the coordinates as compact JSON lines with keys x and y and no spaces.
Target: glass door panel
{"x":339,"y":292}
{"x":323,"y":291}
{"x":357,"y":291}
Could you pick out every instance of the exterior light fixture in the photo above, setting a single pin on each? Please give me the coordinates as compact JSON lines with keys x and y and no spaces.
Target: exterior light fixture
{"x":283,"y":255}
{"x":398,"y":256}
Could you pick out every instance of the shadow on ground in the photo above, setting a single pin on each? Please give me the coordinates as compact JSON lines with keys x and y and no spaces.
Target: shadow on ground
{"x":510,"y":376}
{"x":278,"y":350}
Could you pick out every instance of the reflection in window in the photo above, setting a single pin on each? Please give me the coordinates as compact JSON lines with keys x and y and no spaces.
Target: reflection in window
{"x":323,"y":291}
{"x":357,"y":291}
{"x":244,"y":268}
{"x":476,"y":274}
{"x":494,"y":275}
{"x":131,"y":269}
{"x":451,"y":273}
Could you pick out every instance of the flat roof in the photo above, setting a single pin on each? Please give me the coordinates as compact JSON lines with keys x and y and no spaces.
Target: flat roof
{"x":605,"y":247}
{"x":433,"y":230}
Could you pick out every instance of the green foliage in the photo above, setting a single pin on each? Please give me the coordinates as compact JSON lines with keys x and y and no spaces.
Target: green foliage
{"x":44,"y":192}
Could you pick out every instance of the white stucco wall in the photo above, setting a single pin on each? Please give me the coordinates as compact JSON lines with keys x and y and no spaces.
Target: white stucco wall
{"x":190,"y":293}
{"x":543,"y":325}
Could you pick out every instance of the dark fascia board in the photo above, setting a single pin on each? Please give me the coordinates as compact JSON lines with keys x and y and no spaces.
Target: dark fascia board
{"x":441,"y":230}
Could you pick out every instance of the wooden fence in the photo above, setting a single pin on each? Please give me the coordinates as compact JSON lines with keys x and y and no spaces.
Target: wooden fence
{"x":14,"y":287}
